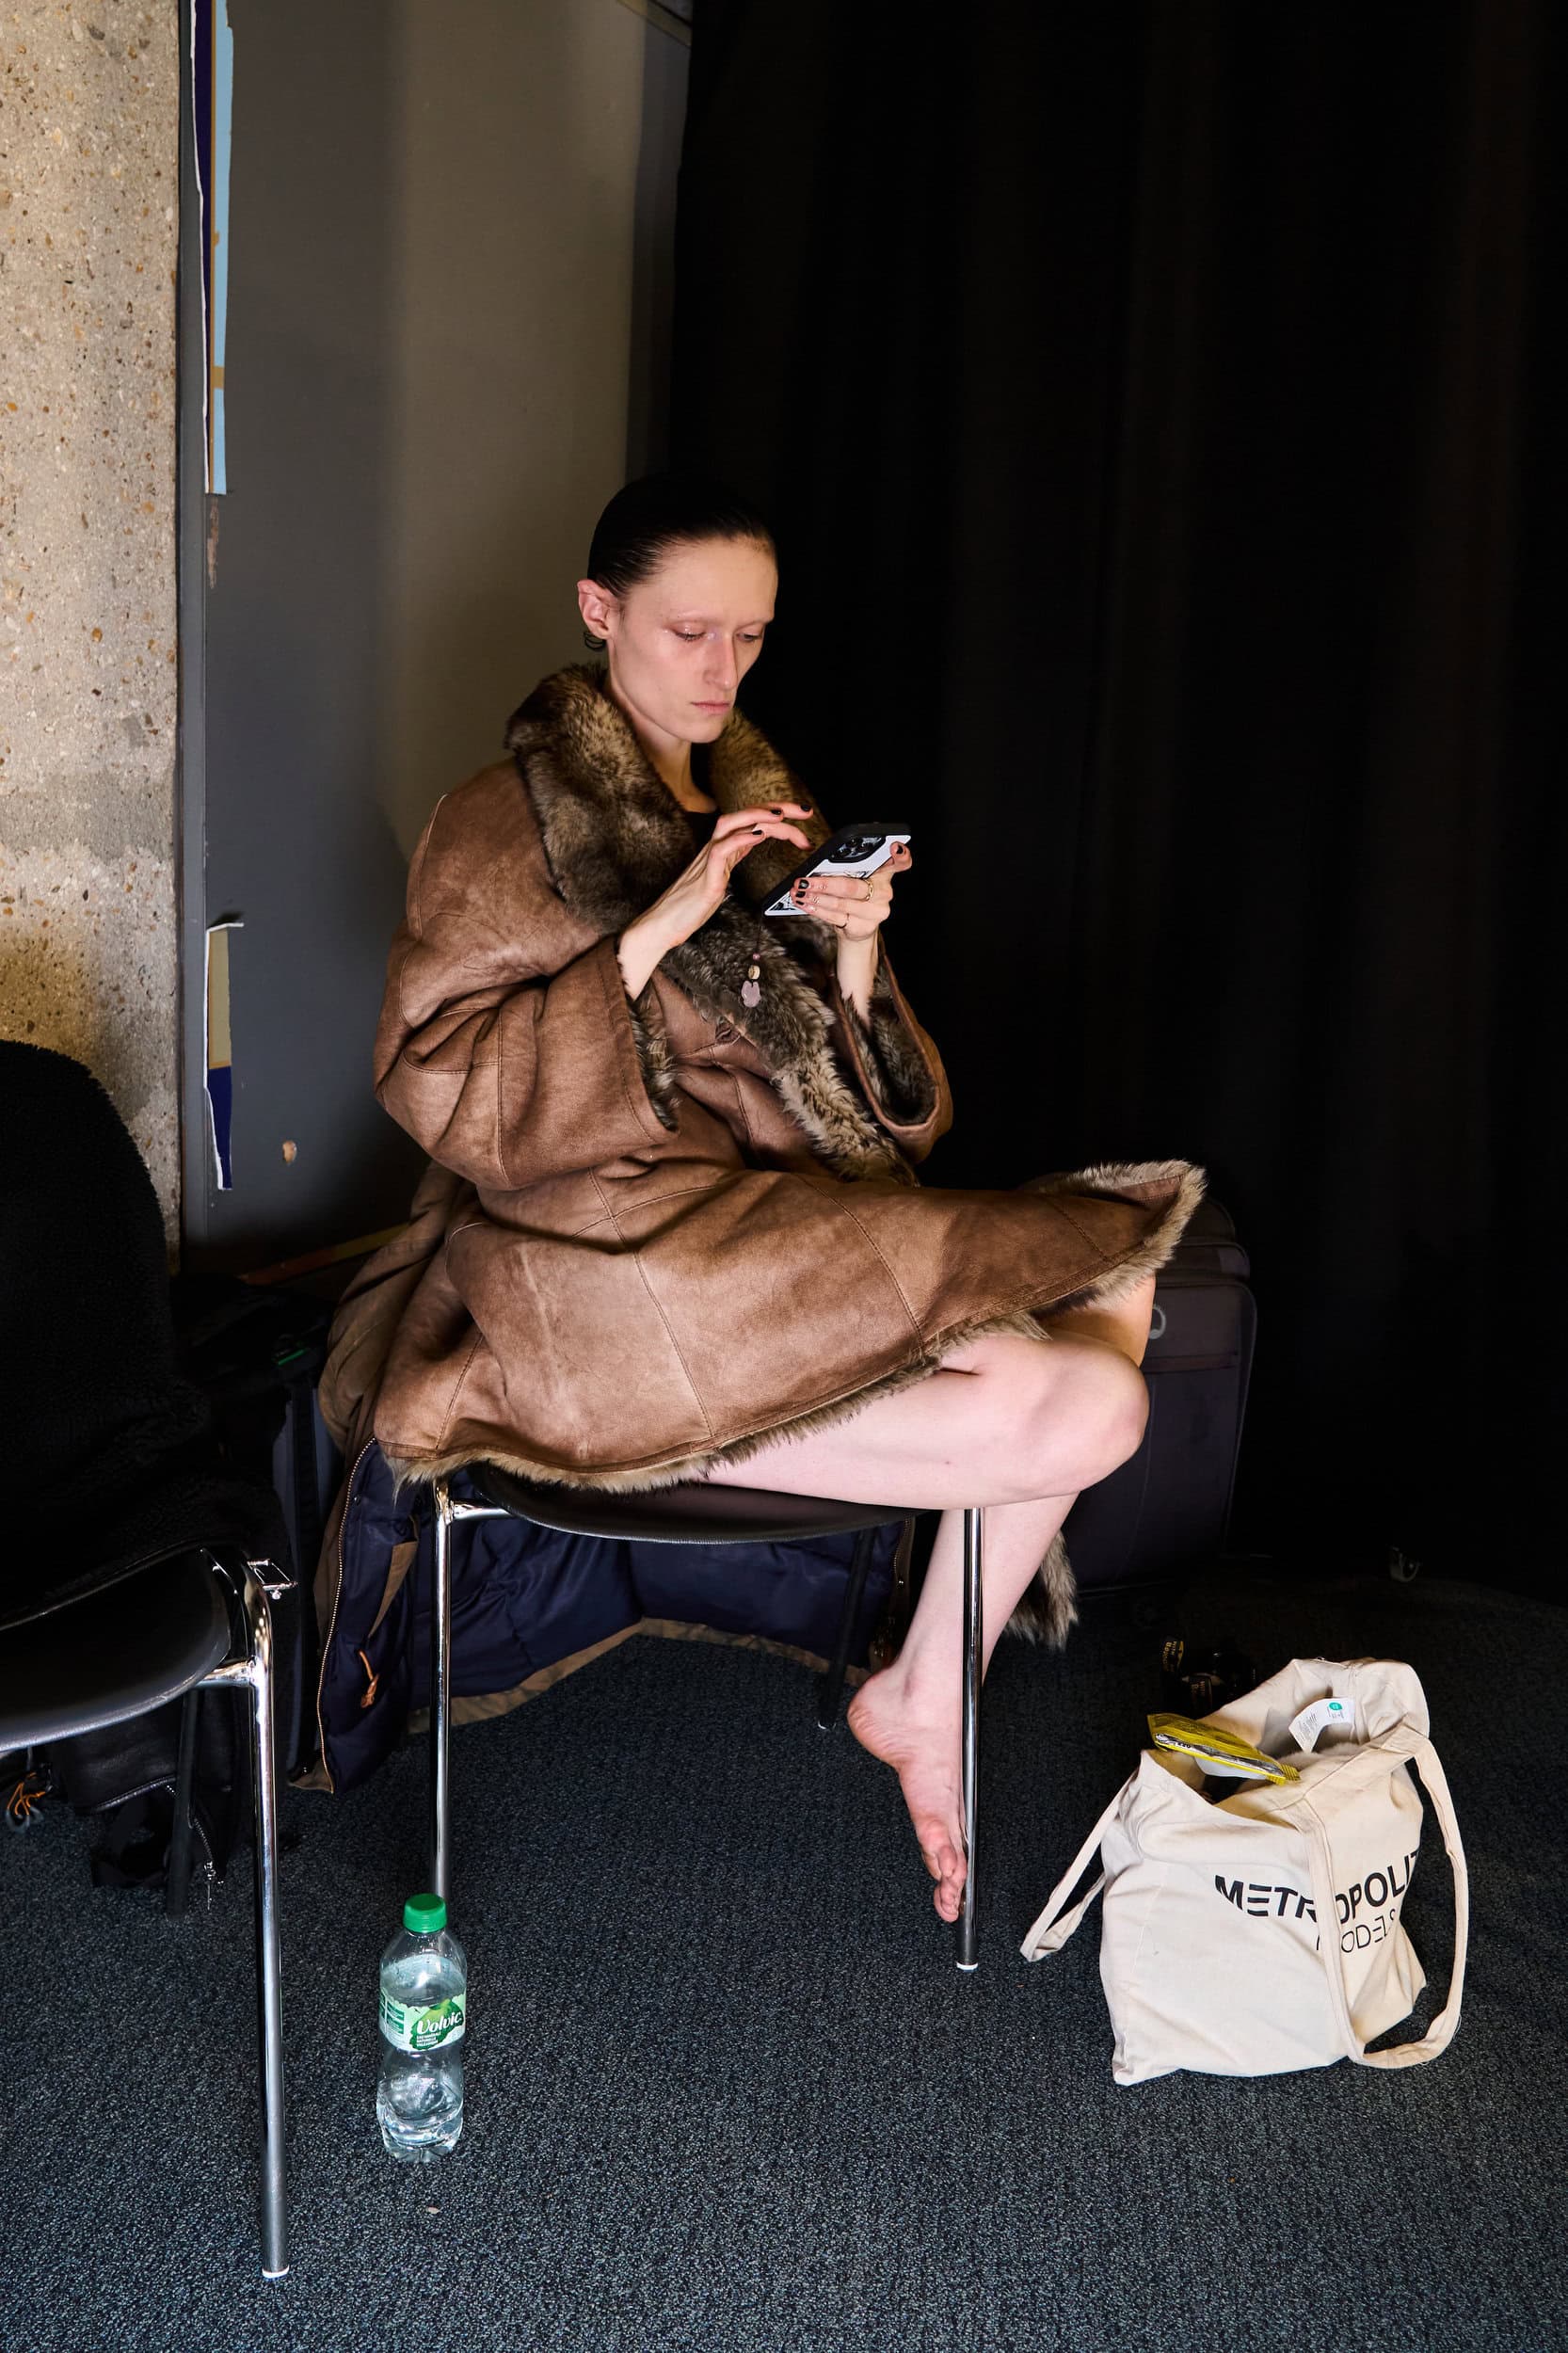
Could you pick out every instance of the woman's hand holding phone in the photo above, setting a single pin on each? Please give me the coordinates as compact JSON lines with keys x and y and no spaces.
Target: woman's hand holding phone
{"x":696,"y":893}
{"x":856,"y":906}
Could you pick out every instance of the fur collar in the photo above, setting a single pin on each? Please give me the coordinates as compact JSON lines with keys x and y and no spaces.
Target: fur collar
{"x":615,"y":838}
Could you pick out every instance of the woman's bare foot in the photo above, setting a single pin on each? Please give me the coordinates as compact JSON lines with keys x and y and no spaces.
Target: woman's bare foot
{"x":924,"y":1752}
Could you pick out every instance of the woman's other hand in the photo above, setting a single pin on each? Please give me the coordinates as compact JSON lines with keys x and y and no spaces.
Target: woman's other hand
{"x":695,"y":893}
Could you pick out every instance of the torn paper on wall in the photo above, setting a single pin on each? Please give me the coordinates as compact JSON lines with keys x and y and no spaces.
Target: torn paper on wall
{"x":219,"y":1056}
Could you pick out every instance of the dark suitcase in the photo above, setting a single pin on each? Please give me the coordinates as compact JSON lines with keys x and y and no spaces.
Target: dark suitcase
{"x":1166,"y":1512}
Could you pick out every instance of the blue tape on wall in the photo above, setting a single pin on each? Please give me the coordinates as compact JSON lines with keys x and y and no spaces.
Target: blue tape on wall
{"x":212,"y":68}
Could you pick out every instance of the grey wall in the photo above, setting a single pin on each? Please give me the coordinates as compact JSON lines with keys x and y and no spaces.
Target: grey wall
{"x":89,"y":157}
{"x":448,"y":316}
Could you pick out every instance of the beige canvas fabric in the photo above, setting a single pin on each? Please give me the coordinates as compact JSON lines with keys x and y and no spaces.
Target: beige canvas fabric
{"x":1213,"y":1953}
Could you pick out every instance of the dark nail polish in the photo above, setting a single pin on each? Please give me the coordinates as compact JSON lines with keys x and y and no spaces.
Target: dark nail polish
{"x":757,"y":830}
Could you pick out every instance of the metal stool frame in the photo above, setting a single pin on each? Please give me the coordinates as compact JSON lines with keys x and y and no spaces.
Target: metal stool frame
{"x":447,"y":1511}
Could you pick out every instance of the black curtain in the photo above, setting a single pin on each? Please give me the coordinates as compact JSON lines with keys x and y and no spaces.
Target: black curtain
{"x":1160,"y":420}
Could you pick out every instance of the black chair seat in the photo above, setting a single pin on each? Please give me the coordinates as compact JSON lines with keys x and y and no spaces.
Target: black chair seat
{"x":692,"y":1512}
{"x":113,"y":1653}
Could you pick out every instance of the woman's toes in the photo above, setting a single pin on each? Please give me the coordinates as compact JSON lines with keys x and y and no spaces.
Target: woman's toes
{"x":924,"y":1756}
{"x":945,"y":1863}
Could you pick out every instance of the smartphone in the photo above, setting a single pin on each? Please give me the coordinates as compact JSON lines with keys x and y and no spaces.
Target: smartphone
{"x":853,"y":851}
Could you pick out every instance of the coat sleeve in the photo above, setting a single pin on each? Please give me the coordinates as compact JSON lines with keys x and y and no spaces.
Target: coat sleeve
{"x":508,"y":1047}
{"x":896,"y":1063}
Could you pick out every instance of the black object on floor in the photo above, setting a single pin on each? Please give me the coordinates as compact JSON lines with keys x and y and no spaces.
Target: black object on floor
{"x":725,"y":2090}
{"x":1166,"y":1511}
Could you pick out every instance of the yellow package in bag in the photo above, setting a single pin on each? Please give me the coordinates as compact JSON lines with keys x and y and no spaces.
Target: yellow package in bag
{"x":1218,"y":1750}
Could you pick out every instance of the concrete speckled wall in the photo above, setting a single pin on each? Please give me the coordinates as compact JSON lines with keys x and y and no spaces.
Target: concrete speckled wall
{"x":90,"y":96}
{"x":448,"y":325}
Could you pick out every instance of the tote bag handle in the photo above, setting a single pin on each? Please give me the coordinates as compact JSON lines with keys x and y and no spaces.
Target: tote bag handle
{"x":1416,"y":1749}
{"x":1049,"y":1932}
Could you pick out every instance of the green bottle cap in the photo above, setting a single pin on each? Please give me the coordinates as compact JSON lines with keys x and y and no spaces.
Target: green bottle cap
{"x":425,"y":1914}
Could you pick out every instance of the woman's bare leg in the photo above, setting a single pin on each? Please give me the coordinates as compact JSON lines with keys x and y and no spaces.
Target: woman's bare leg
{"x":908,"y":1715}
{"x":1004,"y":1420}
{"x":1005,"y":1423}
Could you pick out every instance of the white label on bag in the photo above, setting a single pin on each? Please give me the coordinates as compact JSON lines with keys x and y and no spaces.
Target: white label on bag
{"x":1338,"y":1714}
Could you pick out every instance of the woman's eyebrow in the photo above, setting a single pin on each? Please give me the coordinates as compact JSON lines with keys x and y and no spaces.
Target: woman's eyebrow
{"x":760,"y":622}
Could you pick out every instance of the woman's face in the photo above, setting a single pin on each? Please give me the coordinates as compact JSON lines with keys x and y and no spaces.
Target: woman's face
{"x":680,"y":644}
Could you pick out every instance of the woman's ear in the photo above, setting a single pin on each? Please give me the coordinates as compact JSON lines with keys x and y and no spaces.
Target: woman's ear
{"x":594,"y":606}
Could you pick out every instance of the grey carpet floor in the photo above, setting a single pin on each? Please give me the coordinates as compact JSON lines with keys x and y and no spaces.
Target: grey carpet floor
{"x":725,"y":2087}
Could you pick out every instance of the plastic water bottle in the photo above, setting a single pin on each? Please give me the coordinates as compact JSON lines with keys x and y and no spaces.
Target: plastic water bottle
{"x":419,"y":2099}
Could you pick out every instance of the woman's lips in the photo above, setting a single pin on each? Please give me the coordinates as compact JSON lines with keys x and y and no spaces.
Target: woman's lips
{"x":713,"y":706}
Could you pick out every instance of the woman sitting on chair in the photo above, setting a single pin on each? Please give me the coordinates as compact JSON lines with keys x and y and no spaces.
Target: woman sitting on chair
{"x":689,"y":1241}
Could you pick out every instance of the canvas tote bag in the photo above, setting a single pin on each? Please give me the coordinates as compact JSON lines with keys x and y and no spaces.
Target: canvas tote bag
{"x":1263,"y":1932}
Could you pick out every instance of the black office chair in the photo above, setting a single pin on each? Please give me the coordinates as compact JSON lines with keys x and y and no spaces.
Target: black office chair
{"x":180,"y":1625}
{"x":694,"y":1514}
{"x":135,"y":1565}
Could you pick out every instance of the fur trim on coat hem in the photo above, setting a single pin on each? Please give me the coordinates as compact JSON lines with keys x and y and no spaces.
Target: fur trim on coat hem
{"x":1044,"y":1614}
{"x":419,"y":1470}
{"x":1125,"y":1181}
{"x":1047,"y":1609}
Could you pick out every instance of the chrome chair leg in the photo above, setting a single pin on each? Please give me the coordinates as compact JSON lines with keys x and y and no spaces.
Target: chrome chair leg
{"x":446,"y":1511}
{"x":177,"y":1879}
{"x":253,"y":1666}
{"x":974,"y":1612}
{"x":441,"y":1689}
{"x":269,"y":1957}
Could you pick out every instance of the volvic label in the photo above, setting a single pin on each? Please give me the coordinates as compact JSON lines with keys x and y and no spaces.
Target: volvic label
{"x":434,"y":2028}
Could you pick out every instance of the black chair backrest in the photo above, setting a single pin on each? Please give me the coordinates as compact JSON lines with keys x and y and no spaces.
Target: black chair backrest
{"x":110,"y":1456}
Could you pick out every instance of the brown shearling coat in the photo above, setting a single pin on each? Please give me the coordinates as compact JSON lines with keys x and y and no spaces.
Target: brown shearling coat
{"x":671,"y":1230}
